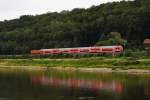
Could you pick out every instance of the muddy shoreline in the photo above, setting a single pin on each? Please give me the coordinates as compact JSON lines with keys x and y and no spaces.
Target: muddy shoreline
{"x":97,"y":70}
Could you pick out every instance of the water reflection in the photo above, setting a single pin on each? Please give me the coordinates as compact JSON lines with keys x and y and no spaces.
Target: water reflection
{"x":73,"y":86}
{"x":53,"y":81}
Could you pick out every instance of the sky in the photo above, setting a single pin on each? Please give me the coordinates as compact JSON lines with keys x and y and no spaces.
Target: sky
{"x":10,"y":9}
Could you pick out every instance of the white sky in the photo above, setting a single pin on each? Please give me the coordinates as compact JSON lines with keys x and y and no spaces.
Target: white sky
{"x":10,"y":9}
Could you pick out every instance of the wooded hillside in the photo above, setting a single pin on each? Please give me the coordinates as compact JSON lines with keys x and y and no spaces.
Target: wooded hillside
{"x":79,"y":27}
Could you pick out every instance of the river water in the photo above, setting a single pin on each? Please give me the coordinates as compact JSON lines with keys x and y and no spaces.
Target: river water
{"x":57,"y":85}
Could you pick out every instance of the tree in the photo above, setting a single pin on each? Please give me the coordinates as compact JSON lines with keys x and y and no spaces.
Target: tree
{"x":113,"y":38}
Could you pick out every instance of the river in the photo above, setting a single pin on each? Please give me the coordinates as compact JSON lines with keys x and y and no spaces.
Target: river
{"x":72,"y":85}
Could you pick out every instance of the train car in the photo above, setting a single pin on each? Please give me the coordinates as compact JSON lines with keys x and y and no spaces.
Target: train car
{"x":118,"y":49}
{"x":84,"y":49}
{"x":50,"y":51}
{"x":65,"y":50}
{"x":35,"y":51}
{"x":55,"y":51}
{"x":111,"y":49}
{"x":74,"y":50}
{"x":45,"y":51}
{"x":105,"y":49}
{"x":96,"y":49}
{"x":108,"y":49}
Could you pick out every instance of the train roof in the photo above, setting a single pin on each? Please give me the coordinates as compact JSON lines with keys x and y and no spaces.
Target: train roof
{"x":81,"y":47}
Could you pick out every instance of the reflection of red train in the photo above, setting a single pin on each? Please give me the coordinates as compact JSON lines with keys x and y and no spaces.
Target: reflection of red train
{"x":78,"y":83}
{"x":97,"y":49}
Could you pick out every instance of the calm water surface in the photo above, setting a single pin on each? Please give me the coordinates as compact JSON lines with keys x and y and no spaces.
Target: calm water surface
{"x":57,"y":85}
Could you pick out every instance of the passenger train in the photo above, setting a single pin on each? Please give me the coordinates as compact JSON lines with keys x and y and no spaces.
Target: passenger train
{"x":94,"y":49}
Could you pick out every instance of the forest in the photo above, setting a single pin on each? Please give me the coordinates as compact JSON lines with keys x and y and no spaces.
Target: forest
{"x":78,"y":28}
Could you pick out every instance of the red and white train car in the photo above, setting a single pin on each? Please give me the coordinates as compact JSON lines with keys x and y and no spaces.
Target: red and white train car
{"x":95,"y":49}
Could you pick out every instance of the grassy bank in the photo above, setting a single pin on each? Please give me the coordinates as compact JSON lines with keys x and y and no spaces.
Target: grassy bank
{"x":92,"y":62}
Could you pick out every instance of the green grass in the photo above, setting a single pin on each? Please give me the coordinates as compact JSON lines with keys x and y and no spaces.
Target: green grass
{"x":95,"y":62}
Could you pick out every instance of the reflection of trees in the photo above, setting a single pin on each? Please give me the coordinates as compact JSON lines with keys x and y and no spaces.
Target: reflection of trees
{"x":136,"y":92}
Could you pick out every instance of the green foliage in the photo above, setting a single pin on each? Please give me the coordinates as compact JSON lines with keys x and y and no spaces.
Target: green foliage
{"x":79,"y":27}
{"x":113,"y":38}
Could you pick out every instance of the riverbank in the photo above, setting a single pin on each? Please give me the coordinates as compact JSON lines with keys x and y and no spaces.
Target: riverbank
{"x":92,"y":62}
{"x":123,"y":63}
{"x":73,"y":69}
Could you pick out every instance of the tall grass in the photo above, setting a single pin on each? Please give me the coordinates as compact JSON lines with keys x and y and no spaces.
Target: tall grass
{"x":93,"y":62}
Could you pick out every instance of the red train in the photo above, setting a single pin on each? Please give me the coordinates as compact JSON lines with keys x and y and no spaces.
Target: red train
{"x":95,"y":49}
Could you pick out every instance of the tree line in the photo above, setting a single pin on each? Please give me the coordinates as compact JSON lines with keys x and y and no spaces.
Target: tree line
{"x":77,"y":28}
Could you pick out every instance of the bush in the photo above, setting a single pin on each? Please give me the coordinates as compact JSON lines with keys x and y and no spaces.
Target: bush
{"x":127,"y":61}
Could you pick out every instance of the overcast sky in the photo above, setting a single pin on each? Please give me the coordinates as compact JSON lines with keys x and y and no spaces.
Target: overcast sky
{"x":10,"y":9}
